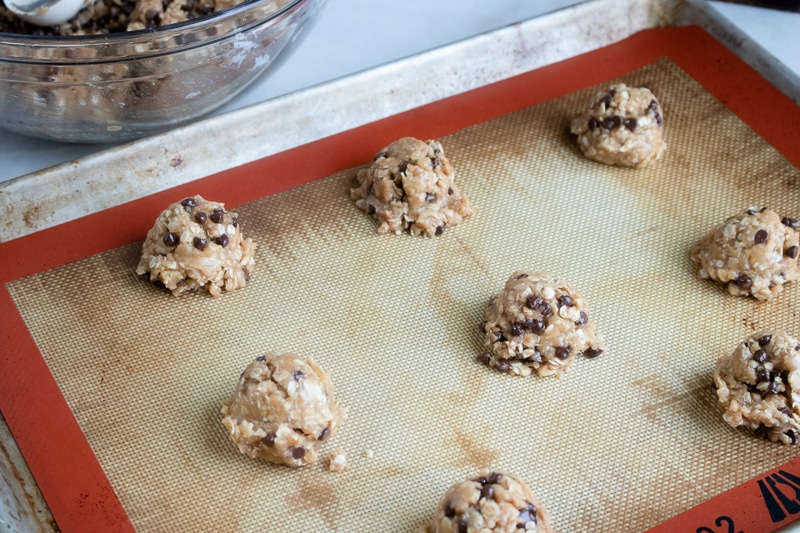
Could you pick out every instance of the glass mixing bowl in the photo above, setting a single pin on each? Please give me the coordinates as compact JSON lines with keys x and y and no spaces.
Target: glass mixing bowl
{"x":122,"y":86}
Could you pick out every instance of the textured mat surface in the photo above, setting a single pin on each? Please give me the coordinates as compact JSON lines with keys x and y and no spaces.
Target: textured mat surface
{"x":620,"y":443}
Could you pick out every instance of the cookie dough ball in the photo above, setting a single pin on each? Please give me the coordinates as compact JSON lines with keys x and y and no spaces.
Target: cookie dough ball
{"x":537,"y":323}
{"x":491,"y":502}
{"x":282,"y":410}
{"x":757,"y":386}
{"x":410,"y":186}
{"x":197,"y":244}
{"x":753,"y":253}
{"x":624,"y":126}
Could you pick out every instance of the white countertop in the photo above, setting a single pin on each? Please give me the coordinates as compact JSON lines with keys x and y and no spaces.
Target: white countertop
{"x":355,"y":35}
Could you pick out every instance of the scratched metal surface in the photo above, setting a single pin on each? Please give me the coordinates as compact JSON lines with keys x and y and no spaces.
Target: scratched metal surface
{"x":620,"y":443}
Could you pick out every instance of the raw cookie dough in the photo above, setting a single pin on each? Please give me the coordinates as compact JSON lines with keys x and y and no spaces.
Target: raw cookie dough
{"x":754,"y":253}
{"x":196,"y":243}
{"x":112,"y":16}
{"x":282,"y":410}
{"x":757,"y":386}
{"x":624,"y":126}
{"x":538,"y":324}
{"x":492,"y":502}
{"x":410,"y":186}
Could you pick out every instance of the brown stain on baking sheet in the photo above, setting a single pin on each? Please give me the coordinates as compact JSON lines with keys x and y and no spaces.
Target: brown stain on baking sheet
{"x":315,"y":496}
{"x":473,"y":452}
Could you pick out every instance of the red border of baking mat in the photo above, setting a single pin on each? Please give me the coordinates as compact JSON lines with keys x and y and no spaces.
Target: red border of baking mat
{"x":69,"y":475}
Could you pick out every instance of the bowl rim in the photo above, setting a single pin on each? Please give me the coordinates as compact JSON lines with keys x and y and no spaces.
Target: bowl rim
{"x":159,"y":34}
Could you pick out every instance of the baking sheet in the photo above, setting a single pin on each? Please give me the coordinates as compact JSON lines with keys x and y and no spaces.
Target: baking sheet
{"x":622,"y":442}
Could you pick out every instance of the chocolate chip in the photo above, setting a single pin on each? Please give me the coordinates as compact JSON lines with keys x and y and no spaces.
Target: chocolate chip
{"x":188,"y":203}
{"x":235,"y":222}
{"x":562,"y":352}
{"x":299,"y":452}
{"x":772,"y":388}
{"x":564,"y":300}
{"x":592,"y":124}
{"x":527,"y":515}
{"x":630,"y":123}
{"x":439,"y":230}
{"x":222,"y":240}
{"x":763,"y":375}
{"x":751,"y":212}
{"x":535,"y":325}
{"x":743,"y":281}
{"x":200,"y":217}
{"x":269,"y":440}
{"x":261,"y":358}
{"x":517,"y":330}
{"x":463,"y":527}
{"x":484,"y":358}
{"x":760,"y":356}
{"x":487,"y":491}
{"x":522,"y":276}
{"x":608,"y":123}
{"x":760,"y":237}
{"x":171,"y":239}
{"x":499,"y":337}
{"x":450,"y":191}
{"x":545,"y":310}
{"x":324,"y":434}
{"x":791,"y":252}
{"x":449,"y":512}
{"x":583,"y":318}
{"x":481,"y":480}
{"x":381,"y":155}
{"x":298,"y":375}
{"x":494,"y":478}
{"x":786,"y":410}
{"x":216,"y":215}
{"x":658,"y":118}
{"x":371,"y":209}
{"x":502,"y":366}
{"x":533,"y":302}
{"x":199,"y":243}
{"x":434,"y":162}
{"x":791,"y":222}
{"x":402,"y":166}
{"x":606,"y":99}
{"x":430,"y":197}
{"x":616,"y":121}
{"x":762,"y":431}
{"x":793,"y":437}
{"x":653,"y":105}
{"x":764,"y":340}
{"x":591,"y":353}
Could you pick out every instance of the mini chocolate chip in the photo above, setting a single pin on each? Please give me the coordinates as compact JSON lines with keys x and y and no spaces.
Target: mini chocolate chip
{"x":658,"y":118}
{"x":592,"y":124}
{"x":583,"y":318}
{"x":222,"y":240}
{"x":517,"y":330}
{"x":502,"y":366}
{"x":763,"y":375}
{"x":791,"y":252}
{"x":439,"y":230}
{"x":299,"y":452}
{"x":298,"y":375}
{"x":480,"y":479}
{"x":760,"y":356}
{"x":533,"y":302}
{"x":199,"y":243}
{"x":793,"y":437}
{"x":760,"y":237}
{"x":545,"y":310}
{"x":200,"y":217}
{"x":522,"y":276}
{"x":171,"y":239}
{"x":381,"y":155}
{"x":606,"y":99}
{"x":499,"y":337}
{"x":463,"y":527}
{"x":449,"y":512}
{"x":772,"y":388}
{"x":653,"y":105}
{"x":608,"y":123}
{"x":487,"y":491}
{"x":751,"y":211}
{"x":743,"y":281}
{"x":591,"y":353}
{"x":430,"y":197}
{"x":535,"y":325}
{"x":434,"y":162}
{"x":616,"y":121}
{"x":527,"y":515}
{"x":564,"y":300}
{"x":402,"y":166}
{"x":261,"y":358}
{"x":269,"y":440}
{"x":562,"y":352}
{"x":371,"y":209}
{"x":450,"y":191}
{"x":484,"y":358}
{"x":235,"y":222}
{"x":216,"y":215}
{"x":188,"y":203}
{"x":630,"y":123}
{"x":762,"y":431}
{"x":494,"y":478}
{"x":324,"y":434}
{"x":786,"y":410}
{"x":764,"y":340}
{"x":791,"y":222}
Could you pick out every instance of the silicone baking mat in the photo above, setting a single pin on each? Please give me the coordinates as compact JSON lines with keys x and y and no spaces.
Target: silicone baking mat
{"x":113,"y":387}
